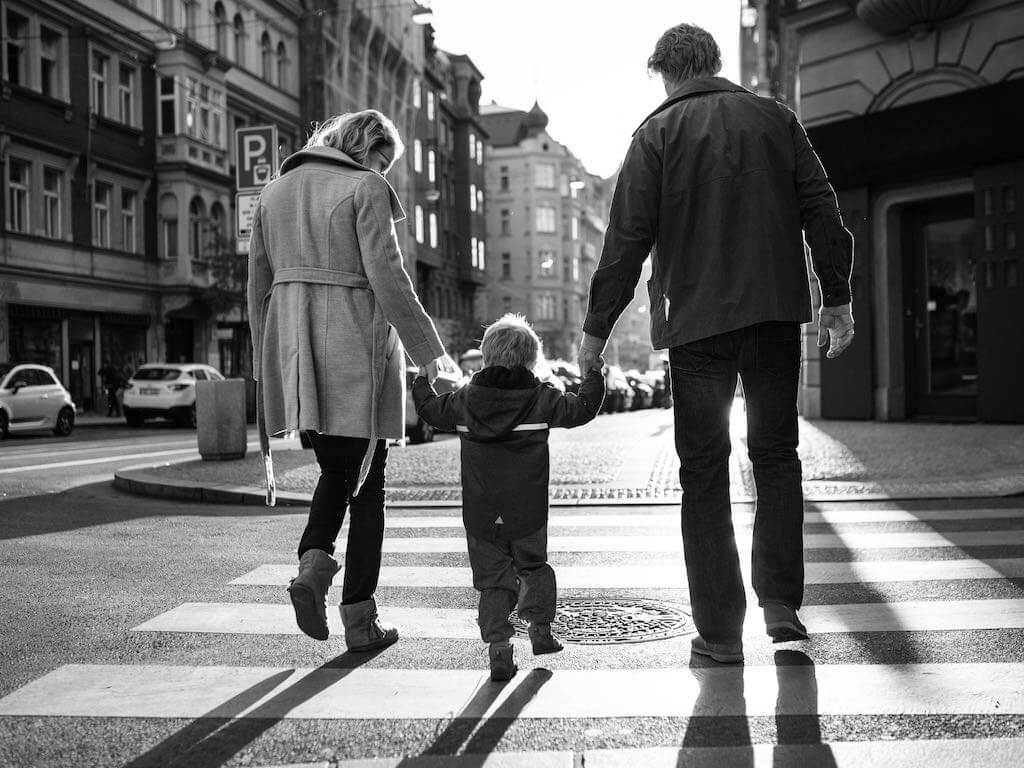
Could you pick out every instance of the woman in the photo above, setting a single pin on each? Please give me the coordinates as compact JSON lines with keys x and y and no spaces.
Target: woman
{"x":329,"y":299}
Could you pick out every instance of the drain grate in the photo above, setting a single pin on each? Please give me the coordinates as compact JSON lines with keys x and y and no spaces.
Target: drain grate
{"x":602,"y":622}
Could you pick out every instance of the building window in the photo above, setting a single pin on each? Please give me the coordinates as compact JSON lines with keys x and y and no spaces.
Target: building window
{"x":239,"y":25}
{"x":101,"y":214}
{"x":430,"y":105}
{"x":53,"y":200}
{"x":575,"y":269}
{"x":575,"y":228}
{"x":506,"y":221}
{"x":98,"y":78}
{"x":169,"y":227}
{"x":545,"y":218}
{"x":168,"y":108}
{"x":126,"y":94}
{"x":16,"y":44}
{"x":506,"y":304}
{"x":433,"y":230}
{"x":481,"y":255}
{"x":18,"y":172}
{"x":546,"y":262}
{"x":216,"y":237}
{"x":282,"y":65}
{"x":480,"y":153}
{"x":472,"y":145}
{"x":546,"y":306}
{"x":419,"y":223}
{"x":480,"y":200}
{"x":431,"y":166}
{"x":129,"y":201}
{"x":417,"y":156}
{"x":416,"y":97}
{"x":503,"y":181}
{"x":472,"y":197}
{"x":188,"y":17}
{"x":196,"y":224}
{"x":220,"y":34}
{"x":267,"y":54}
{"x":50,"y":62}
{"x":473,"y":252}
{"x":506,"y":266}
{"x":544,"y":175}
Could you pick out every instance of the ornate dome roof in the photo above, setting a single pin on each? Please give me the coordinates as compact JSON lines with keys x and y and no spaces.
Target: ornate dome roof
{"x":536,"y":120}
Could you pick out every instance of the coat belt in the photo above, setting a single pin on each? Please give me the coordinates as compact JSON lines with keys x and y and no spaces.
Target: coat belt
{"x":320,"y":276}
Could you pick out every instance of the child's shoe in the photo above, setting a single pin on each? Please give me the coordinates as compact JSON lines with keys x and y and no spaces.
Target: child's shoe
{"x":542,"y":639}
{"x":502,"y":666}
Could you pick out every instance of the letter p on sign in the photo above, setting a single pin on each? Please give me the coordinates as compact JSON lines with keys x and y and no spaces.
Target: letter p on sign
{"x":256,"y":156}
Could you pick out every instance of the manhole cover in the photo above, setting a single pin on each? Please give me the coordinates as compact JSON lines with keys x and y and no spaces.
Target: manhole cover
{"x":615,"y":621}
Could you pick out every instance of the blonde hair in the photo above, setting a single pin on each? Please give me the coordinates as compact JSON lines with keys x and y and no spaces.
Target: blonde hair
{"x":357,"y":134}
{"x":510,"y":341}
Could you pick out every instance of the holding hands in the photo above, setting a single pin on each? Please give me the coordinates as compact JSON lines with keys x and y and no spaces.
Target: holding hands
{"x":445,"y":367}
{"x":590,"y":354}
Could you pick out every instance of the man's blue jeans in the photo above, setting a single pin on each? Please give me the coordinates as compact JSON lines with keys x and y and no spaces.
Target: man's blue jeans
{"x":766,"y":357}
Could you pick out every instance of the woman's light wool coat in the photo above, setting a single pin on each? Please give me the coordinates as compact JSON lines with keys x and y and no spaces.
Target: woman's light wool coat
{"x":327,"y":292}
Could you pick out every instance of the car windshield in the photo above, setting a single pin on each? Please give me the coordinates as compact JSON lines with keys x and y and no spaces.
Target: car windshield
{"x":156,"y":374}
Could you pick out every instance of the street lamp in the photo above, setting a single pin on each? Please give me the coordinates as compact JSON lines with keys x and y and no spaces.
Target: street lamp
{"x":421,"y":14}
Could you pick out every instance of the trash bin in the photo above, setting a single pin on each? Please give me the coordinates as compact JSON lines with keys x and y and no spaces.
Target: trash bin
{"x":220,"y":419}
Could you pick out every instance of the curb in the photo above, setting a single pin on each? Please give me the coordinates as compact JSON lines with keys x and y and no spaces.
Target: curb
{"x":143,"y":483}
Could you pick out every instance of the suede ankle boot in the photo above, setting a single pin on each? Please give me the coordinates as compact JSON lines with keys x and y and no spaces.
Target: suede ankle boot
{"x":542,"y":640}
{"x":363,"y":630}
{"x":308,"y":592}
{"x":502,"y":666}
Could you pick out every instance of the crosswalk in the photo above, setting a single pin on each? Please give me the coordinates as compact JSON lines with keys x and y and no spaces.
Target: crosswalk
{"x":916,"y":655}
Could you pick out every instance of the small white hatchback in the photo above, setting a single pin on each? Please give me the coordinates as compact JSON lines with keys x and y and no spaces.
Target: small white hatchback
{"x":165,"y":390}
{"x":31,"y":397}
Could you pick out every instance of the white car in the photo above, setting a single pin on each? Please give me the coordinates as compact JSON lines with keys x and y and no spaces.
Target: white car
{"x":31,"y":397}
{"x":165,"y":390}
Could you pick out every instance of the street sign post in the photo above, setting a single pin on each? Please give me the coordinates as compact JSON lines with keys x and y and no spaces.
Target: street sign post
{"x":255,"y":163}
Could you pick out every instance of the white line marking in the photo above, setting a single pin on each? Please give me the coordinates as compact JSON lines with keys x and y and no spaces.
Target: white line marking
{"x":460,"y":623}
{"x":657,"y":577}
{"x":108,"y":460}
{"x":144,"y":690}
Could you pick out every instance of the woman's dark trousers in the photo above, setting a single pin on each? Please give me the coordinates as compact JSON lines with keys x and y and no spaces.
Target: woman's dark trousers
{"x":766,"y":357}
{"x":339,"y":459}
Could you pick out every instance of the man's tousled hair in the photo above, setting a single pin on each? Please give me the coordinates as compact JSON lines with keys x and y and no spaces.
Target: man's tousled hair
{"x":683,"y":52}
{"x":510,"y":341}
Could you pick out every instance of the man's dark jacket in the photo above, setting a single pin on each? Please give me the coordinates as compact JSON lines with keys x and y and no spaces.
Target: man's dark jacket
{"x":720,"y":186}
{"x":503,"y":417}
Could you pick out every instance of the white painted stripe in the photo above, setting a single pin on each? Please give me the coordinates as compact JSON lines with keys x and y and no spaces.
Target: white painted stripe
{"x":146,"y":690}
{"x":937,"y":753}
{"x":671,"y":519}
{"x":117,"y":459}
{"x":655,"y":577}
{"x":460,"y":623}
{"x":663,"y":543}
{"x":475,"y":760}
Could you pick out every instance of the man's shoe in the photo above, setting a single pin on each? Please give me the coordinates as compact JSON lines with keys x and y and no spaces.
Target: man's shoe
{"x":542,"y":640}
{"x":723,"y":653}
{"x":502,"y":666}
{"x":364,"y":631}
{"x":782,"y":624}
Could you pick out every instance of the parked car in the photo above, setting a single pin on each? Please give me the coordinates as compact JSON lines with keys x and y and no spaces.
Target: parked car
{"x":32,"y":397}
{"x":643,"y":391}
{"x":165,"y":390}
{"x":568,"y":373}
{"x":618,"y":395}
{"x":662,"y":395}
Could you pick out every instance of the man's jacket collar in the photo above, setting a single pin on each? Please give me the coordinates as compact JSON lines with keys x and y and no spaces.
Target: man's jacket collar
{"x":692,"y":87}
{"x":336,"y":156}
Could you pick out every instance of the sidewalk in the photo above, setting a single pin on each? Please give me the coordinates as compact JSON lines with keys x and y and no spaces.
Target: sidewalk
{"x":630,"y":459}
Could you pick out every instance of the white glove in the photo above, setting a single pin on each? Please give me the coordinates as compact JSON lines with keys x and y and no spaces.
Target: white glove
{"x":835,"y":328}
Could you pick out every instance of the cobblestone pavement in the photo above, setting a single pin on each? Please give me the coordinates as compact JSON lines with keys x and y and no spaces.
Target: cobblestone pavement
{"x":632,"y":456}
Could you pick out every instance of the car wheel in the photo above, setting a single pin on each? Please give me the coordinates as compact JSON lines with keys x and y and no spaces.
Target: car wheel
{"x":65,"y":422}
{"x":3,"y":425}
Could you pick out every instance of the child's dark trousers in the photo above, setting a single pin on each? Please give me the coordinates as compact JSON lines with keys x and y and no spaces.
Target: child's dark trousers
{"x":511,"y":573}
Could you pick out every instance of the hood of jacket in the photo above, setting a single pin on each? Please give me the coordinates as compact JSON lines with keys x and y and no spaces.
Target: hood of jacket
{"x":499,"y":399}
{"x":333,"y":156}
{"x":693,"y":87}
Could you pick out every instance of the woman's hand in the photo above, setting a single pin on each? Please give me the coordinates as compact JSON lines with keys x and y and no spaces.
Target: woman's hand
{"x":443,"y":366}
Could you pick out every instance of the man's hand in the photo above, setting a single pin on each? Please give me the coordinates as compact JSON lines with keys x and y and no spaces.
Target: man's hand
{"x":835,"y":328}
{"x":589,"y":357}
{"x":443,"y":366}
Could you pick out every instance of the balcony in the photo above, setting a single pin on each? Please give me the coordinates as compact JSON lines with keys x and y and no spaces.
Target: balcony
{"x":186,"y":149}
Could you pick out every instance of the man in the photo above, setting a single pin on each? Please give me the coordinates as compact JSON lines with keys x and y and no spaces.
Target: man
{"x":720,"y":186}
{"x":110,"y":378}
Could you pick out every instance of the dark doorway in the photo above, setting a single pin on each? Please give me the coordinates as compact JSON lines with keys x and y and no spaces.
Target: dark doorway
{"x":941,"y":309}
{"x":179,"y":338}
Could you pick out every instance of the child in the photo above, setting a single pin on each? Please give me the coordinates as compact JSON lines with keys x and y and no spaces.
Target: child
{"x":503,"y":416}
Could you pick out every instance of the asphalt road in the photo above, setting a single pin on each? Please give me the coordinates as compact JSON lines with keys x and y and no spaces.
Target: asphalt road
{"x":144,"y":632}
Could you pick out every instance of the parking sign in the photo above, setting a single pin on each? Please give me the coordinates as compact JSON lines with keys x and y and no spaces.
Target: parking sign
{"x":255,"y":156}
